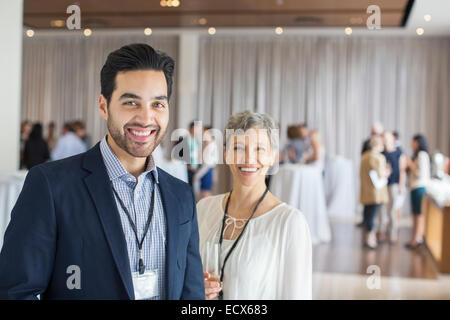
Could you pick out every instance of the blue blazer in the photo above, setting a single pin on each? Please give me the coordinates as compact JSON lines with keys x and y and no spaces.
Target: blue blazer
{"x":66,"y":215}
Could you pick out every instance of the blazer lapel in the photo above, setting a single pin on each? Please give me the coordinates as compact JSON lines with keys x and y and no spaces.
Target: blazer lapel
{"x":170,"y":203}
{"x":99,"y":186}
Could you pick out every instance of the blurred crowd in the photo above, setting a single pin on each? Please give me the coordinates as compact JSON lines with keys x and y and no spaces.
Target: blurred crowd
{"x":386,"y":174}
{"x":304,"y":146}
{"x":35,"y":148}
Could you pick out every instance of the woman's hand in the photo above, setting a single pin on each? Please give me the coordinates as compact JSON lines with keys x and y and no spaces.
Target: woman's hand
{"x":212,"y":286}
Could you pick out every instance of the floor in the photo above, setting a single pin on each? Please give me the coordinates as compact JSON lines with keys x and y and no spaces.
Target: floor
{"x":343,"y":269}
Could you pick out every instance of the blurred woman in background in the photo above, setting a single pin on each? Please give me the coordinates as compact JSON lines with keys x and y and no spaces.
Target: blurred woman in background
{"x":373,"y":183}
{"x":36,"y":148}
{"x":316,"y":153}
{"x":204,"y":177}
{"x":419,"y":176}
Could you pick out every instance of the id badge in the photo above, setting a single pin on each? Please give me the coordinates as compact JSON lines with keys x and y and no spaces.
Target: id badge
{"x":145,"y":285}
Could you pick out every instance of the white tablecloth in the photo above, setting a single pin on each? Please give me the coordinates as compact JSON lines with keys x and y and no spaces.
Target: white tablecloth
{"x":301,"y":186}
{"x":10,"y":187}
{"x":340,"y":187}
{"x":439,"y":190}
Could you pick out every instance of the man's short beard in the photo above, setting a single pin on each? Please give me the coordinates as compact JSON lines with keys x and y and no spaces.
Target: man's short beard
{"x":124,"y":142}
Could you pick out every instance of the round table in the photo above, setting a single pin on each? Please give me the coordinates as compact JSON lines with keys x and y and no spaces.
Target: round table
{"x":10,"y":187}
{"x":340,"y":187}
{"x":301,"y":186}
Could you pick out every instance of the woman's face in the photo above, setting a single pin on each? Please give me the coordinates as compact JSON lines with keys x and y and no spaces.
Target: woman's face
{"x":415,"y":145}
{"x":249,"y":156}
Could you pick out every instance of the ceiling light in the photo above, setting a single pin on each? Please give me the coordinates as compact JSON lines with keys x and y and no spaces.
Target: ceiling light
{"x":169,"y":3}
{"x":57,"y":23}
{"x":278,"y":30}
{"x":420,"y":31}
{"x":87,"y":32}
{"x":212,"y":31}
{"x":427,"y":17}
{"x":30,"y":33}
{"x":148,"y":31}
{"x":348,"y":31}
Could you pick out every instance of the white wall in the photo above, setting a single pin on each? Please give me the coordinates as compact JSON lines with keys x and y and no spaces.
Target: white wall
{"x":11,"y":13}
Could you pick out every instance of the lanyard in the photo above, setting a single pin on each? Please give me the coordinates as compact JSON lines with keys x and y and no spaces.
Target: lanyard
{"x":238,"y":238}
{"x":133,"y":225}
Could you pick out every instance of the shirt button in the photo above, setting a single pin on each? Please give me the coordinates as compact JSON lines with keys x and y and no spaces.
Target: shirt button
{"x":129,"y":179}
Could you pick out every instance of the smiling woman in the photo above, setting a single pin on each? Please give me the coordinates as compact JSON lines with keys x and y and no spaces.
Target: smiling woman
{"x":265,"y":246}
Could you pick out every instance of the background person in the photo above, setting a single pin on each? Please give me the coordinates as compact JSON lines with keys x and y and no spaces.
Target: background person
{"x":68,"y":145}
{"x":36,"y":148}
{"x":389,"y":216}
{"x":51,"y":138}
{"x":419,"y":177}
{"x":373,"y":194}
{"x":204,"y":176}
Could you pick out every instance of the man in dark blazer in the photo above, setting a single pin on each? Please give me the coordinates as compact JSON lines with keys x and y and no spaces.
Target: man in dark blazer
{"x":74,"y":234}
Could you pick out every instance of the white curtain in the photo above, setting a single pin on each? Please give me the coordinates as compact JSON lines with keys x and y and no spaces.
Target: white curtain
{"x":337,"y":85}
{"x":61,"y":77}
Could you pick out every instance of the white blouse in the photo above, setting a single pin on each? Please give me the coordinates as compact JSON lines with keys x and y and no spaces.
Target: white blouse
{"x":273,"y":259}
{"x":422,"y":177}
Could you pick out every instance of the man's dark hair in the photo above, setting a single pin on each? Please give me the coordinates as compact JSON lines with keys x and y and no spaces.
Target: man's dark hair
{"x":78,"y":125}
{"x":68,"y":126}
{"x":137,"y":56}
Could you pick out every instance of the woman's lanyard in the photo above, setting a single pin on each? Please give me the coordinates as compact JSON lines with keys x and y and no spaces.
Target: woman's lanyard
{"x":133,"y":226}
{"x":238,"y":238}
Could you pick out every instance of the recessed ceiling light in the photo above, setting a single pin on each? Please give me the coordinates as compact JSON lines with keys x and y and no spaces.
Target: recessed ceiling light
{"x":30,"y":33}
{"x":427,"y":17}
{"x":348,"y":31}
{"x":169,"y":3}
{"x":87,"y":32}
{"x":202,"y":21}
{"x":278,"y":30}
{"x":420,"y":31}
{"x":212,"y":31}
{"x":57,"y":23}
{"x":148,"y":31}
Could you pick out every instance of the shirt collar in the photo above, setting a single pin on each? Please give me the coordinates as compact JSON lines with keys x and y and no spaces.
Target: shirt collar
{"x":115,"y":168}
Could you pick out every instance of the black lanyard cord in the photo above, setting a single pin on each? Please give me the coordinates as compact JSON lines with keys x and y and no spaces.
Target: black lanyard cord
{"x":240,"y":235}
{"x":133,"y":225}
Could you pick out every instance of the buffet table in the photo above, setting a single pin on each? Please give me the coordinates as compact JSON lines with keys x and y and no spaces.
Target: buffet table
{"x":436,"y":207}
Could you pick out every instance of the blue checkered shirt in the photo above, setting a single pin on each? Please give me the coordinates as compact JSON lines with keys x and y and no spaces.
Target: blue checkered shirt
{"x":136,"y":197}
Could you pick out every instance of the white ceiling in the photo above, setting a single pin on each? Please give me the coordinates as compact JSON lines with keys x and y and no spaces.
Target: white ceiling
{"x":440,"y":17}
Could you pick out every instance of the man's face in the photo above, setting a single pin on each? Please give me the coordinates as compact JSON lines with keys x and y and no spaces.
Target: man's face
{"x":138,"y":111}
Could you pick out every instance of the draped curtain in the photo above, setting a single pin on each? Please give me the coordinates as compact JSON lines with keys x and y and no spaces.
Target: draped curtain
{"x":339,"y":86}
{"x":61,"y":77}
